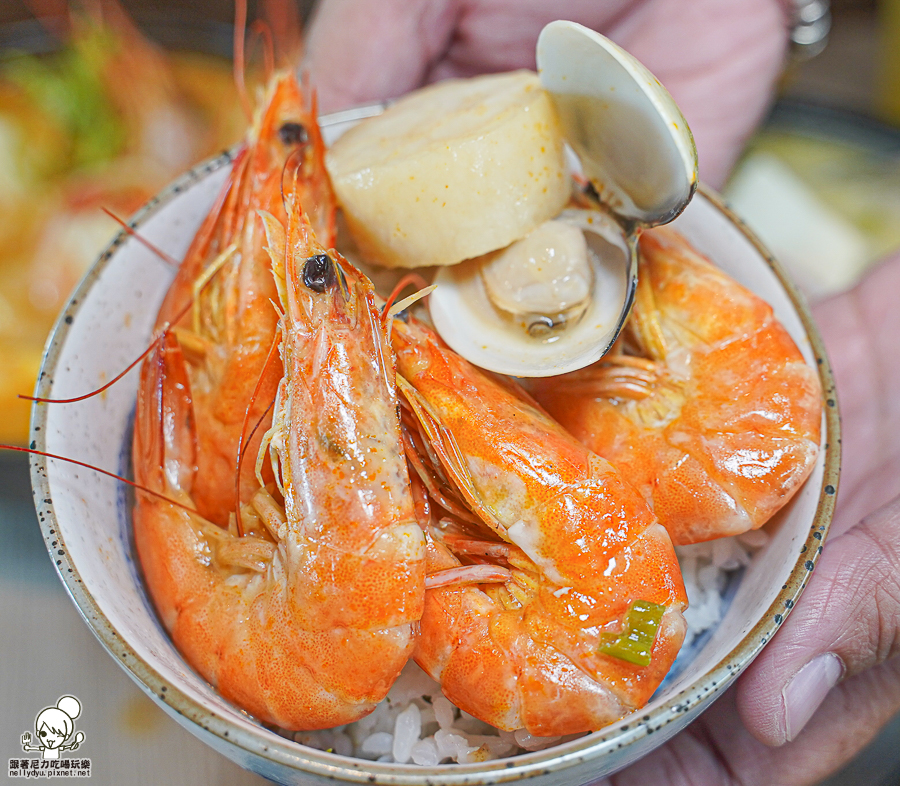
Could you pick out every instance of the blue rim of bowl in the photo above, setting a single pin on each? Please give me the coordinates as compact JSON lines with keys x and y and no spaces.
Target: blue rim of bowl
{"x":268,"y":745}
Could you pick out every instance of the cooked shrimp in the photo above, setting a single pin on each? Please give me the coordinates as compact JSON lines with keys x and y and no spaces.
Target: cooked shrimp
{"x":576,"y":559}
{"x":712,"y":412}
{"x":304,"y":613}
{"x":226,"y":287}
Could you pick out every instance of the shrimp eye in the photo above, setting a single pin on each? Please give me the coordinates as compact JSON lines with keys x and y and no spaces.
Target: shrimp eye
{"x":318,"y":273}
{"x":293,"y":134}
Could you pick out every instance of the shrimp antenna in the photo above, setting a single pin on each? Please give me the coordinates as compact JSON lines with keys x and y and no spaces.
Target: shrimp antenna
{"x":242,"y":444}
{"x":155,"y":342}
{"x":121,"y":374}
{"x":240,"y":27}
{"x":142,"y":240}
{"x":109,"y":384}
{"x":138,"y":486}
{"x":221,"y":200}
{"x":262,"y":28}
{"x":284,"y":19}
{"x":391,"y":309}
{"x":291,"y":169}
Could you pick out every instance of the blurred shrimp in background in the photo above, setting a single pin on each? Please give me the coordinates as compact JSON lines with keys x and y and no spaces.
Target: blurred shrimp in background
{"x":94,"y":116}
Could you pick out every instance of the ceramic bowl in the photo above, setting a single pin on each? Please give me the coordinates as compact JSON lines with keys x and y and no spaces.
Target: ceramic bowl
{"x":85,"y":516}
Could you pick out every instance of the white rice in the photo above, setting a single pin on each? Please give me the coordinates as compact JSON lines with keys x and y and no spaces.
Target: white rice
{"x":705,"y":568}
{"x":416,"y":724}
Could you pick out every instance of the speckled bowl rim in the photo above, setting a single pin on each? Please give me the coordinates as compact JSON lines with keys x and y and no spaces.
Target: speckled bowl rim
{"x":286,"y":753}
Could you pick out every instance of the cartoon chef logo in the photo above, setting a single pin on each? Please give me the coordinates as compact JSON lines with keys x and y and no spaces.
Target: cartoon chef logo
{"x":53,"y":727}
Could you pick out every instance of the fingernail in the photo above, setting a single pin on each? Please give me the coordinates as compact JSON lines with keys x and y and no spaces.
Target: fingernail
{"x":808,"y":689}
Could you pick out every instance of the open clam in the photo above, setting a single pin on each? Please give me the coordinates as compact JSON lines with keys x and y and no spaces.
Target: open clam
{"x":549,"y":308}
{"x":550,"y":303}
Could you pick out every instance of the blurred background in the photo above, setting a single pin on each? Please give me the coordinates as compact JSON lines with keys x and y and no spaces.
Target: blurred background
{"x":80,"y":130}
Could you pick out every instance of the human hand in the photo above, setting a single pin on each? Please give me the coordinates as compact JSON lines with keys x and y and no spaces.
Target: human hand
{"x":718,"y":58}
{"x":846,"y":630}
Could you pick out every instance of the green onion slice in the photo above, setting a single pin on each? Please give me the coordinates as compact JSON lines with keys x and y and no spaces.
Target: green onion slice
{"x":635,"y":643}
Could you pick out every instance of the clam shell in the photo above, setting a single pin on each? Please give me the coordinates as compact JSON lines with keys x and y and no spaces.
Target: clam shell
{"x":467,"y":320}
{"x":633,"y":143}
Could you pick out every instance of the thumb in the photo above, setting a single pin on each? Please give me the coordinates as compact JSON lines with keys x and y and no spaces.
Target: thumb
{"x":365,"y":50}
{"x":847,"y":622}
